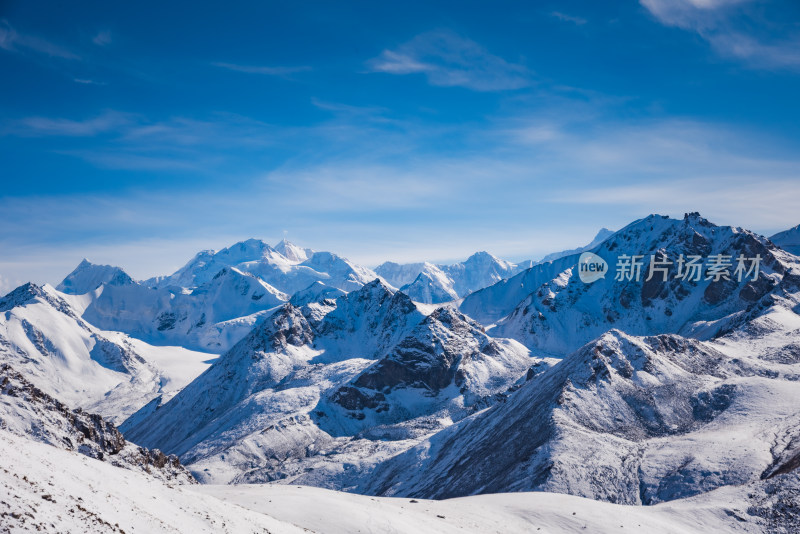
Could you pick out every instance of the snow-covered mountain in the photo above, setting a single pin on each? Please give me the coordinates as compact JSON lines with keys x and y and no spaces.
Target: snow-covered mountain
{"x":434,"y":284}
{"x":788,"y":240}
{"x":43,"y":337}
{"x":211,"y":317}
{"x":676,"y":393}
{"x":354,"y":380}
{"x":561,"y":312}
{"x":625,"y":419}
{"x":289,"y":273}
{"x":88,"y":276}
{"x":216,"y":298}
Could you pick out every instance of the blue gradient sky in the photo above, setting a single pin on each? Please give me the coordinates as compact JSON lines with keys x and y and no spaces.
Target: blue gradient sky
{"x":138,"y":133}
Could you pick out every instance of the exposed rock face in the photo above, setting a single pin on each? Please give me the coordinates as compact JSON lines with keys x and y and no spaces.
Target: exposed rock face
{"x":27,"y":411}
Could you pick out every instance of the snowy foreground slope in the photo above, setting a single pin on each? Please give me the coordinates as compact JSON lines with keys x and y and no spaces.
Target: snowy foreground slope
{"x":27,"y":411}
{"x":43,"y":489}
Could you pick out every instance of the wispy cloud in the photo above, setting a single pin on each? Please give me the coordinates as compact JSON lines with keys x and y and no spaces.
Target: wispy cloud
{"x":13,"y":41}
{"x":87,"y":81}
{"x":578,"y":21}
{"x":266,"y":70}
{"x":102,"y":38}
{"x":450,"y":60}
{"x":132,"y":141}
{"x":110,"y":121}
{"x":720,"y":23}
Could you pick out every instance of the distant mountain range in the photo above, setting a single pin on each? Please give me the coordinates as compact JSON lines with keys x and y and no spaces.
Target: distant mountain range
{"x":260,"y":364}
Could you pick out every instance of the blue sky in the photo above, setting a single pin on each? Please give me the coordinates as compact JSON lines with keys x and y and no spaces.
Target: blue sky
{"x":138,"y":133}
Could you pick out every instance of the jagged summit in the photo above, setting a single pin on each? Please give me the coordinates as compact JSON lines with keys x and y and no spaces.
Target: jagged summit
{"x":295,"y":368}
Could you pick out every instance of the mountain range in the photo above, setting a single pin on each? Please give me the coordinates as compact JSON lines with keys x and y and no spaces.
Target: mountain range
{"x":280,"y":365}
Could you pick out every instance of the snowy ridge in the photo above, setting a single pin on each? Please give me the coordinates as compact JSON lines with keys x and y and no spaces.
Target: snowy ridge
{"x":289,"y":273}
{"x":601,"y":236}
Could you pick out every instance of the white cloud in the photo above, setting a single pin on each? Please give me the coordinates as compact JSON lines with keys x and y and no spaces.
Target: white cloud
{"x":254,"y":69}
{"x":578,"y":21}
{"x":109,"y":121}
{"x":13,"y":41}
{"x":103,"y":38}
{"x":690,"y":14}
{"x":449,"y":60}
{"x":87,"y":81}
{"x":716,"y":22}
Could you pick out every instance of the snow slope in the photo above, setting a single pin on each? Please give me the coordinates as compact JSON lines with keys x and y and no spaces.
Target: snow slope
{"x":757,"y":507}
{"x":29,"y":412}
{"x":44,"y":489}
{"x":50,"y":490}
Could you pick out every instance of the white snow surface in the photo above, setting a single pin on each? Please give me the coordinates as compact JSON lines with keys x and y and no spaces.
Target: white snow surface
{"x":49,"y":490}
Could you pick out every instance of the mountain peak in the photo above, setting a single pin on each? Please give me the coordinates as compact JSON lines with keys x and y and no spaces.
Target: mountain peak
{"x":482,"y":256}
{"x":291,"y":251}
{"x":88,"y":276}
{"x":695,"y":218}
